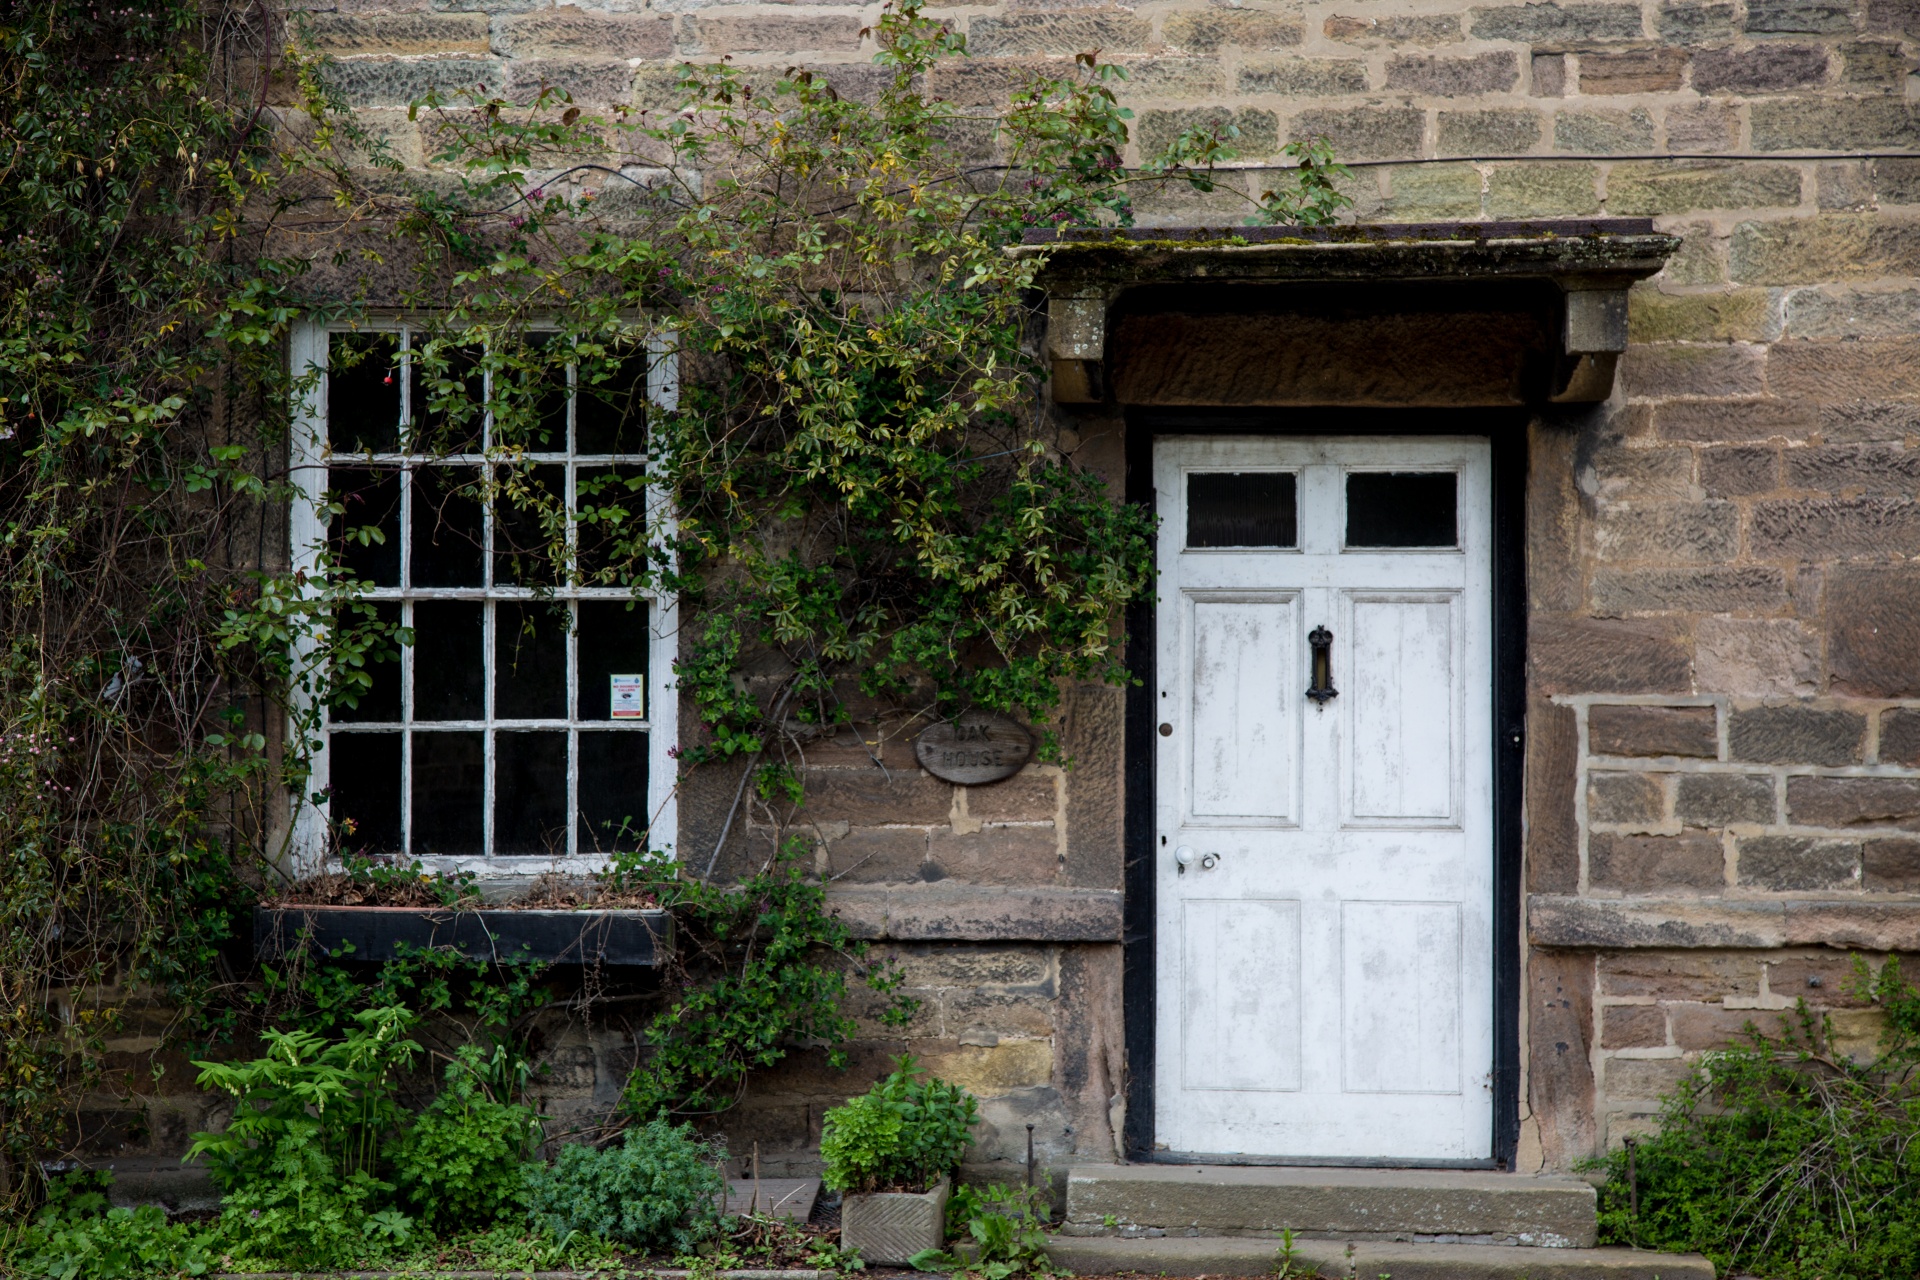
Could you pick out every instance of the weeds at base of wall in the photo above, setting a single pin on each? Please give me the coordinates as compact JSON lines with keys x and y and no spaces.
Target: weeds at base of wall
{"x":1782,"y":1158}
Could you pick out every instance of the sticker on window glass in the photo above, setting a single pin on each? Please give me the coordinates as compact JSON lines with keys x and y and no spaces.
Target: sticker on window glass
{"x":629,"y":697}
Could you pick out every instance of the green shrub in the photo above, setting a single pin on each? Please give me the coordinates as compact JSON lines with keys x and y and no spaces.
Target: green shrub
{"x":458,"y":1164}
{"x":1008,"y":1227}
{"x":659,"y":1190}
{"x":76,"y":1236}
{"x":1783,"y":1158}
{"x":902,"y":1134}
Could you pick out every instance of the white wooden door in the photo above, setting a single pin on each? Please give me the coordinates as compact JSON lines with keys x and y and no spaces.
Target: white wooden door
{"x":1325,"y":867}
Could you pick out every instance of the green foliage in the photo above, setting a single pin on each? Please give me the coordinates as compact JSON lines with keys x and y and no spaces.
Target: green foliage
{"x":76,"y":1236}
{"x":903,"y":1134}
{"x":658,"y":1190}
{"x":1783,"y":1158}
{"x":1007,"y":1226}
{"x":458,"y":1164}
{"x":755,"y":976}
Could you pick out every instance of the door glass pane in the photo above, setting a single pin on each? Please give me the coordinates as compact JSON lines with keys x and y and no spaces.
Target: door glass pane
{"x":363,"y":392}
{"x":613,"y":643}
{"x":446,"y":542}
{"x":529,"y":660}
{"x":528,"y":513}
{"x":610,"y":405}
{"x":1241,"y":509}
{"x":364,"y":792}
{"x":449,"y":792}
{"x":1402,"y":509}
{"x":530,"y":793}
{"x":379,"y":704}
{"x":449,"y":681}
{"x":613,"y":791}
{"x":365,"y":536}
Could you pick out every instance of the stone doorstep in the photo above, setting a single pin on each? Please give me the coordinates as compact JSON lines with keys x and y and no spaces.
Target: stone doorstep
{"x":1240,"y":1256}
{"x":1374,"y":1204}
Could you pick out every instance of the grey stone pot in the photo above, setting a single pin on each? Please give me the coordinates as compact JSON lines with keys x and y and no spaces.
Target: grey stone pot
{"x":891,"y":1226}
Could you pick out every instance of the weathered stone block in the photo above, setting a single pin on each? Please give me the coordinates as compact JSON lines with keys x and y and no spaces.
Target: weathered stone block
{"x":1498,"y":131}
{"x":1671,"y":532}
{"x":1765,"y":68}
{"x":1820,"y":976}
{"x":1553,"y":832}
{"x":1559,"y":1051}
{"x":1633,"y":1026}
{"x":1796,"y":734}
{"x":1655,"y":864}
{"x":1900,"y":736}
{"x":577,"y":33}
{"x":1723,"y":799}
{"x":778,"y":33}
{"x":1394,"y":30}
{"x":1719,"y":589}
{"x":1603,"y":132}
{"x":1844,"y":371}
{"x":1708,"y":1026}
{"x":1691,"y":732}
{"x":1210,"y":30}
{"x":1542,"y":190}
{"x":1738,"y":471}
{"x":1839,"y":311}
{"x":1854,"y":802}
{"x":879,"y":855}
{"x":1169,"y":77}
{"x":1548,"y":22}
{"x":1756,"y":657}
{"x":1673,"y":369}
{"x":1303,"y":77}
{"x":1894,"y":17}
{"x":1679,"y":975}
{"x":868,"y":797}
{"x":1843,"y":186}
{"x":1547,"y":73}
{"x":1863,"y":468}
{"x":1258,"y":131}
{"x":1735,"y":420}
{"x":395,"y":82}
{"x":1690,"y":22}
{"x":1874,"y":64}
{"x":1627,"y":799}
{"x":971,"y":965}
{"x":1364,"y":133}
{"x":1784,"y":863}
{"x":1833,"y":124}
{"x":1025,"y":797}
{"x":1614,"y":475}
{"x":1496,"y":72}
{"x":1650,"y":70}
{"x":583,"y":81}
{"x":1822,"y":528}
{"x":1011,"y":855}
{"x":1703,"y":126}
{"x":982,"y":1070}
{"x":1891,"y":866}
{"x":1597,"y":655}
{"x":1434,"y":191}
{"x":396,"y":34}
{"x":1642,"y":1079}
{"x":1679,"y":186}
{"x":1815,"y":17}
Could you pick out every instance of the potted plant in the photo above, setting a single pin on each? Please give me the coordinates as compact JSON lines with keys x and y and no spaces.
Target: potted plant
{"x":891,"y":1153}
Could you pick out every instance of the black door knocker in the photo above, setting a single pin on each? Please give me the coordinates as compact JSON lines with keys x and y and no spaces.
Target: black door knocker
{"x":1322,"y":687}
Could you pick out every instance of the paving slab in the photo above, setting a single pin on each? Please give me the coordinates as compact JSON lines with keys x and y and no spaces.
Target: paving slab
{"x":1352,"y":1260}
{"x":1494,"y":1208}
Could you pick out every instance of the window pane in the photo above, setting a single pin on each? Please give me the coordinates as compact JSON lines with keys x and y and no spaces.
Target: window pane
{"x":613,"y":642}
{"x":613,"y":791}
{"x":446,"y":542}
{"x":529,"y":660}
{"x":363,"y":392}
{"x":449,"y":399}
{"x":1241,"y":509}
{"x":448,"y":677}
{"x":364,"y":792}
{"x":530,"y":410}
{"x":371,"y":499}
{"x":530,"y":792}
{"x":449,"y":792}
{"x":527,"y":499}
{"x":379,"y":704}
{"x":610,"y":504}
{"x":1402,"y":509}
{"x":610,"y":404}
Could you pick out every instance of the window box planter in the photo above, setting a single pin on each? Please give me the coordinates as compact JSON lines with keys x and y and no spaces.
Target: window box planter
{"x":585,"y":936}
{"x":888,"y":1227}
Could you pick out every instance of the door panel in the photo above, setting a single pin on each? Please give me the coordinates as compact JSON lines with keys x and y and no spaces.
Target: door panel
{"x":1325,"y":954}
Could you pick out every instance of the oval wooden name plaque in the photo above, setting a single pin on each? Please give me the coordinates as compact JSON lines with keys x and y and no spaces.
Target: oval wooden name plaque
{"x":979,"y":746}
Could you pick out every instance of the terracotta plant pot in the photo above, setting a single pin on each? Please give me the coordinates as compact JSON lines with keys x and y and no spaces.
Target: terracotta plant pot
{"x":889,"y":1227}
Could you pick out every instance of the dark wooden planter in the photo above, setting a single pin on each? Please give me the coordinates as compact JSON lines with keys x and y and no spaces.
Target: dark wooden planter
{"x":546,"y":937}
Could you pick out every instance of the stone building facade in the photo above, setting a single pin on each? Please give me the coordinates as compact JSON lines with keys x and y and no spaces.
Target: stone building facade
{"x":1720,"y":648}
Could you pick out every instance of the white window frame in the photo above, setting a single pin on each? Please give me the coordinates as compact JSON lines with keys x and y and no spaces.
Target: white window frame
{"x":310,"y":458}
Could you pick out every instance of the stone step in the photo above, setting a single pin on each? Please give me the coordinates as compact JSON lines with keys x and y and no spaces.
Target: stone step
{"x":1461,"y":1206}
{"x":1366,"y":1260}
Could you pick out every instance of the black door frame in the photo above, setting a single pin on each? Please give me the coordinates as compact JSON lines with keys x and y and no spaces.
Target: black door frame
{"x":1506,"y":429}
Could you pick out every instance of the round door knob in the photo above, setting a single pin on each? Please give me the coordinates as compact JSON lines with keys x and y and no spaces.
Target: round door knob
{"x":1184,"y":856}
